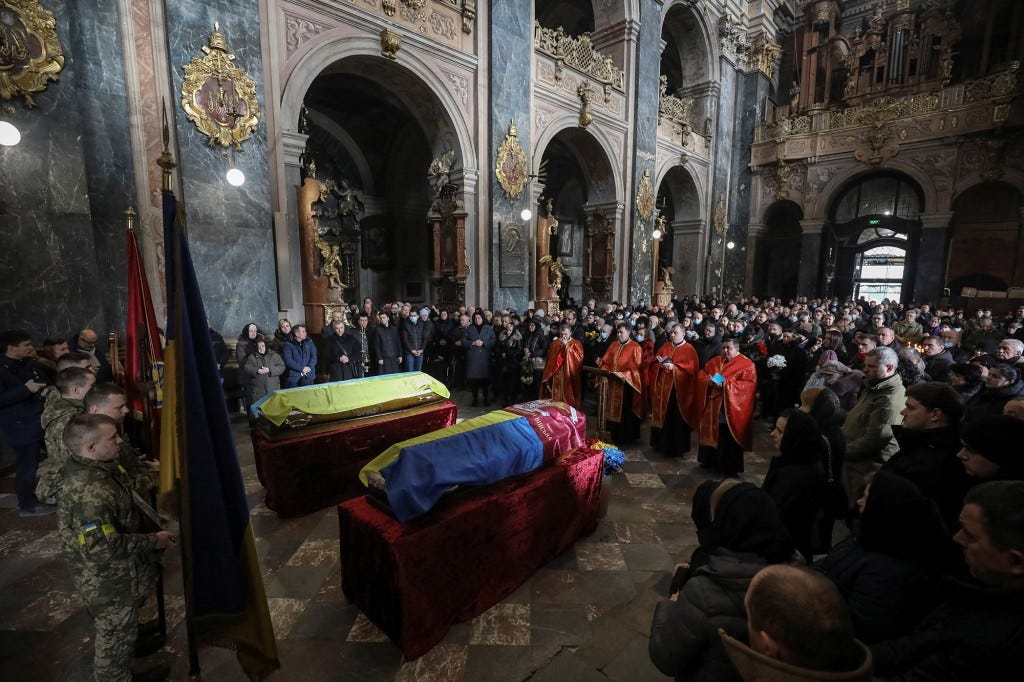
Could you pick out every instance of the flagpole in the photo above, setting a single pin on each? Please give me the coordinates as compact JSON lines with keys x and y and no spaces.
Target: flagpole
{"x":167,"y":165}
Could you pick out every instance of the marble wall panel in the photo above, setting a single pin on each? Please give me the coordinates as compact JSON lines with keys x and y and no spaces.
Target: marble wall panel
{"x":721,"y":171}
{"x":646,"y":147}
{"x":751,"y":91}
{"x":230,"y":229}
{"x":65,"y":185}
{"x":511,"y":55}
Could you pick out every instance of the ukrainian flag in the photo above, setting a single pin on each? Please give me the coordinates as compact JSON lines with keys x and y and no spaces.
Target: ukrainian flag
{"x":225,"y":601}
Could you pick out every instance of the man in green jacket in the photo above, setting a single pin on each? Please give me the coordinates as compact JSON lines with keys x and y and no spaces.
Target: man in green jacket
{"x":868,"y":428}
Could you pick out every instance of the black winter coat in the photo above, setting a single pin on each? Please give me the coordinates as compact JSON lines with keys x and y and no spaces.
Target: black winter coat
{"x":976,"y":635}
{"x":927,"y":458}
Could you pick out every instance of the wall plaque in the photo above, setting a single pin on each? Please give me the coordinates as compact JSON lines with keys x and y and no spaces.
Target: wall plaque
{"x":30,"y":53}
{"x":512,"y":255}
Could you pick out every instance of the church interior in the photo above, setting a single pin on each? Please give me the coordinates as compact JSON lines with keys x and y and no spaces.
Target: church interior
{"x":450,"y":153}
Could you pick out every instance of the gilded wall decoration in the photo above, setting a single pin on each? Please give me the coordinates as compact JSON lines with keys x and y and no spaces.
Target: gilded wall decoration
{"x":645,"y":196}
{"x":219,"y":96}
{"x":390,"y":43}
{"x":510,"y":166}
{"x":30,"y":52}
{"x":720,"y":216}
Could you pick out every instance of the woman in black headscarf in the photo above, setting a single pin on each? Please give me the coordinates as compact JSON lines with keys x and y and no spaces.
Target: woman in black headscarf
{"x":900,"y":540}
{"x":796,"y":478}
{"x":740,"y":533}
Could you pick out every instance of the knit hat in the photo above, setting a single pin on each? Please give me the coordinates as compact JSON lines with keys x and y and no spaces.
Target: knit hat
{"x":834,"y":367}
{"x":997,"y":438}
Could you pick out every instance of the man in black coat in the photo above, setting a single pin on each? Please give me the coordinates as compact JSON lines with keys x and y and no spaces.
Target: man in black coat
{"x":343,"y":353}
{"x":386,"y":346}
{"x":937,"y":360}
{"x":977,"y":632}
{"x":929,"y":440}
{"x":20,"y":409}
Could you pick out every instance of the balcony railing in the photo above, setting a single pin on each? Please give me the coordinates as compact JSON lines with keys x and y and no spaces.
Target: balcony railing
{"x":577,"y":53}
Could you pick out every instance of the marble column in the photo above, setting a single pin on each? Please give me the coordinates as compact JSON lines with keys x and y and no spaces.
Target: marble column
{"x":231,"y":230}
{"x":286,"y":232}
{"x":810,"y":257}
{"x":930,"y":266}
{"x":511,"y":62}
{"x":647,"y":39}
{"x":65,"y":186}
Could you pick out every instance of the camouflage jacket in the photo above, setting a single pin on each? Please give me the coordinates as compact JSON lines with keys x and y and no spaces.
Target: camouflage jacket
{"x":57,"y":412}
{"x":110,"y":560}
{"x":140,"y":477}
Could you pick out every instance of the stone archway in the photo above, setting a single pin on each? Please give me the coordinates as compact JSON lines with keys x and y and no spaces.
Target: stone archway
{"x":679,"y":201}
{"x":582,"y":190}
{"x":433,"y":121}
{"x":984,"y":242}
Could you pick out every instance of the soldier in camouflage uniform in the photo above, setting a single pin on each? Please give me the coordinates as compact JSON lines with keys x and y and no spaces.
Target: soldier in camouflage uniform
{"x":112,"y":563}
{"x":63,"y":401}
{"x":110,"y":399}
{"x":104,"y":398}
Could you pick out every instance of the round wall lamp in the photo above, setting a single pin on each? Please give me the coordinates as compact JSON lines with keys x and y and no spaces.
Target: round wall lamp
{"x":9,"y":134}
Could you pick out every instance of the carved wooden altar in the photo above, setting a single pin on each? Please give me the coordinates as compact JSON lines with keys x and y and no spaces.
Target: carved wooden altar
{"x":325,"y":267}
{"x":600,"y":239}
{"x":447,"y":220}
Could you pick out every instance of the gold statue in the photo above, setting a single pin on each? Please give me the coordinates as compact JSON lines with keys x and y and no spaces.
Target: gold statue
{"x":331,"y":266}
{"x":555,"y":272}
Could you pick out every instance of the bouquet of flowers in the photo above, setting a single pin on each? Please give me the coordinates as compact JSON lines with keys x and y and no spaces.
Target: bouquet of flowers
{"x":777,"y":362}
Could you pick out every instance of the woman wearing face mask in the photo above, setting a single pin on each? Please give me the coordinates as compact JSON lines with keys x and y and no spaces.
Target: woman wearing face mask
{"x":416,"y":336}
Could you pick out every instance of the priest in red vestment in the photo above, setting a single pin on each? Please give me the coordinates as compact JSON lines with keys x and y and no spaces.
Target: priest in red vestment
{"x":725,"y":400}
{"x":673,"y":381}
{"x":563,"y":369}
{"x":625,"y":399}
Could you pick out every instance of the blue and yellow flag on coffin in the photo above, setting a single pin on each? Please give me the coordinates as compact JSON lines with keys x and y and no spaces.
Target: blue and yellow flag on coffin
{"x":225,"y":601}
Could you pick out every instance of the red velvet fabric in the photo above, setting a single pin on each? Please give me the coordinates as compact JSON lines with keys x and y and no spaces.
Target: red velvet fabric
{"x":319,"y":468}
{"x":416,"y":580}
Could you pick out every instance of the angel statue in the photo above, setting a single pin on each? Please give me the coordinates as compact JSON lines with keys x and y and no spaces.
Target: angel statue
{"x":555,"y":271}
{"x":440,"y":171}
{"x":349,"y":202}
{"x":330,"y":253}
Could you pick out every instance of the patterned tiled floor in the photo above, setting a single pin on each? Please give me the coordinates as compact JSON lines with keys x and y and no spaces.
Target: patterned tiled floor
{"x":584,"y":616}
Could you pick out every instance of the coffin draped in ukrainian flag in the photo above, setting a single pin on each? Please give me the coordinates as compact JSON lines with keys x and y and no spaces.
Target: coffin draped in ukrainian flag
{"x":416,"y":473}
{"x":291,"y":408}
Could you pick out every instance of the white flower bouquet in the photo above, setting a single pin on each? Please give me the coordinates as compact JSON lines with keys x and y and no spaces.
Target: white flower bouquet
{"x":777,"y":361}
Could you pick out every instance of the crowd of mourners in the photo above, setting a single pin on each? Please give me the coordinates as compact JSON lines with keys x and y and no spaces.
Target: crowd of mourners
{"x":898,"y":430}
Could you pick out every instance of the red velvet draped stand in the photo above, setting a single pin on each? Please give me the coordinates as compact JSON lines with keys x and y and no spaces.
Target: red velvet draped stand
{"x":319,"y":467}
{"x":416,"y":580}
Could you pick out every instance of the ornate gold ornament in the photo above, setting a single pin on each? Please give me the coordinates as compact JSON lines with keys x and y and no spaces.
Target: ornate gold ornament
{"x":720,"y":216}
{"x":219,"y":96}
{"x":390,"y":43}
{"x":414,"y":4}
{"x":645,"y":196}
{"x":586,"y":94}
{"x":510,"y":166}
{"x":30,"y":53}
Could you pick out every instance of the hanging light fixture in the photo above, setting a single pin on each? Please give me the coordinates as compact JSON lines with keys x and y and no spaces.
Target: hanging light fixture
{"x":526,"y":214}
{"x":235,"y":177}
{"x":9,"y":134}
